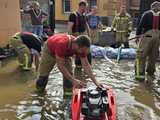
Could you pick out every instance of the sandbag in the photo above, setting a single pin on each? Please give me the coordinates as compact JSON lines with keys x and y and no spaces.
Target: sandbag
{"x":102,"y":52}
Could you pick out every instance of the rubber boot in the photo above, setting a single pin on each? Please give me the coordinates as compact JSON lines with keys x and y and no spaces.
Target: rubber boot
{"x":139,"y":76}
{"x":27,"y":64}
{"x":139,"y":68}
{"x":41,"y":83}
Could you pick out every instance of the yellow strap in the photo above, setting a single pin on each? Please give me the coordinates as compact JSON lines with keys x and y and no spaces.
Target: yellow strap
{"x":137,"y":67}
{"x":20,"y":47}
{"x":122,"y":18}
{"x":26,"y":61}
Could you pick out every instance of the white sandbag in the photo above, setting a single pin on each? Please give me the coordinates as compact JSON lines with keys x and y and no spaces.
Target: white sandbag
{"x":102,"y":52}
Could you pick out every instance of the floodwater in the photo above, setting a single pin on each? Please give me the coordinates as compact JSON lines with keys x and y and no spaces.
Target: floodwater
{"x":19,"y":101}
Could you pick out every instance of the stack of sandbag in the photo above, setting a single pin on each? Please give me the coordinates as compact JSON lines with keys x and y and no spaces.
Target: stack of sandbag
{"x":101,"y":52}
{"x":129,"y":53}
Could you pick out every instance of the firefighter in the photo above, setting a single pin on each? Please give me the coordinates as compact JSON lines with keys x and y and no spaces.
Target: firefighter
{"x":28,"y":47}
{"x":122,"y":25}
{"x":148,"y":38}
{"x":59,"y":49}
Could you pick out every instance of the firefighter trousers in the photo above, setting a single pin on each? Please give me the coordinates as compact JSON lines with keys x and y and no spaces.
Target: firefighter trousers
{"x":47,"y":63}
{"x":23,"y":52}
{"x":147,"y":53}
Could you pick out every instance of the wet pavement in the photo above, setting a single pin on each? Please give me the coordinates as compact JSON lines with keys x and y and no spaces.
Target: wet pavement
{"x":19,"y":101}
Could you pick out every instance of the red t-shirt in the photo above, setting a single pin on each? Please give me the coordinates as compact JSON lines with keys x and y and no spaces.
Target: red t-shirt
{"x":60,"y":45}
{"x":156,"y":22}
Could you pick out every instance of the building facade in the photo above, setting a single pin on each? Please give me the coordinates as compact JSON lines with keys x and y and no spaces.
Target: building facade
{"x":134,"y":7}
{"x":106,"y":8}
{"x":10,"y":20}
{"x":65,"y":7}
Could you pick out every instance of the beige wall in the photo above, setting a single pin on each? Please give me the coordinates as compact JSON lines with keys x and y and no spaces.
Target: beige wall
{"x":103,"y":7}
{"x":59,"y":14}
{"x":9,"y":21}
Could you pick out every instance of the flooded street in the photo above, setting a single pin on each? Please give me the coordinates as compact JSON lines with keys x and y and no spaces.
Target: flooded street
{"x":25,"y":26}
{"x":19,"y":101}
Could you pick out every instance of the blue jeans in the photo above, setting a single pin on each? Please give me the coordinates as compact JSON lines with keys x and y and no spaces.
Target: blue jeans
{"x":38,"y":30}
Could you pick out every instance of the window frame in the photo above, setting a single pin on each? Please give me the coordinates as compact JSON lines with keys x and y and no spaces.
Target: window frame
{"x":64,"y":6}
{"x":91,"y":2}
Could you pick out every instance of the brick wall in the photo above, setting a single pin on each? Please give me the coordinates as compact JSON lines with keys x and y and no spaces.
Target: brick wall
{"x":135,"y":3}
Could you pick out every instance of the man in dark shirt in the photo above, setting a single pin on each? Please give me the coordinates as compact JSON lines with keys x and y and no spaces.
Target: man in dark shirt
{"x":28,"y":47}
{"x":37,"y":16}
{"x":78,"y":25}
{"x":148,"y":38}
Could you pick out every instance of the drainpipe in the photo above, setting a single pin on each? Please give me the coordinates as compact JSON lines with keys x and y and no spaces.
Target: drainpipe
{"x":52,"y":15}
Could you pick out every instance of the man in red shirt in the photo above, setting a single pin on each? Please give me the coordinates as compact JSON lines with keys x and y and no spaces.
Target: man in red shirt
{"x":59,"y":49}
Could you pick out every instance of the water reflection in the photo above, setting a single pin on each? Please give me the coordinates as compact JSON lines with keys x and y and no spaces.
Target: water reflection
{"x":135,"y":101}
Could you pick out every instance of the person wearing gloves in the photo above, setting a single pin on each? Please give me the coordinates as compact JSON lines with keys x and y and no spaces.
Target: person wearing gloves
{"x":59,"y":49}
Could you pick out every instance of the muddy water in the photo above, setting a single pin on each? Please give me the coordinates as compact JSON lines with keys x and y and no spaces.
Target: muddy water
{"x":19,"y":101}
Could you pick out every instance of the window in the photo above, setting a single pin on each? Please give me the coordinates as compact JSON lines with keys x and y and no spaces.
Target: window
{"x":92,"y":3}
{"x":66,"y":6}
